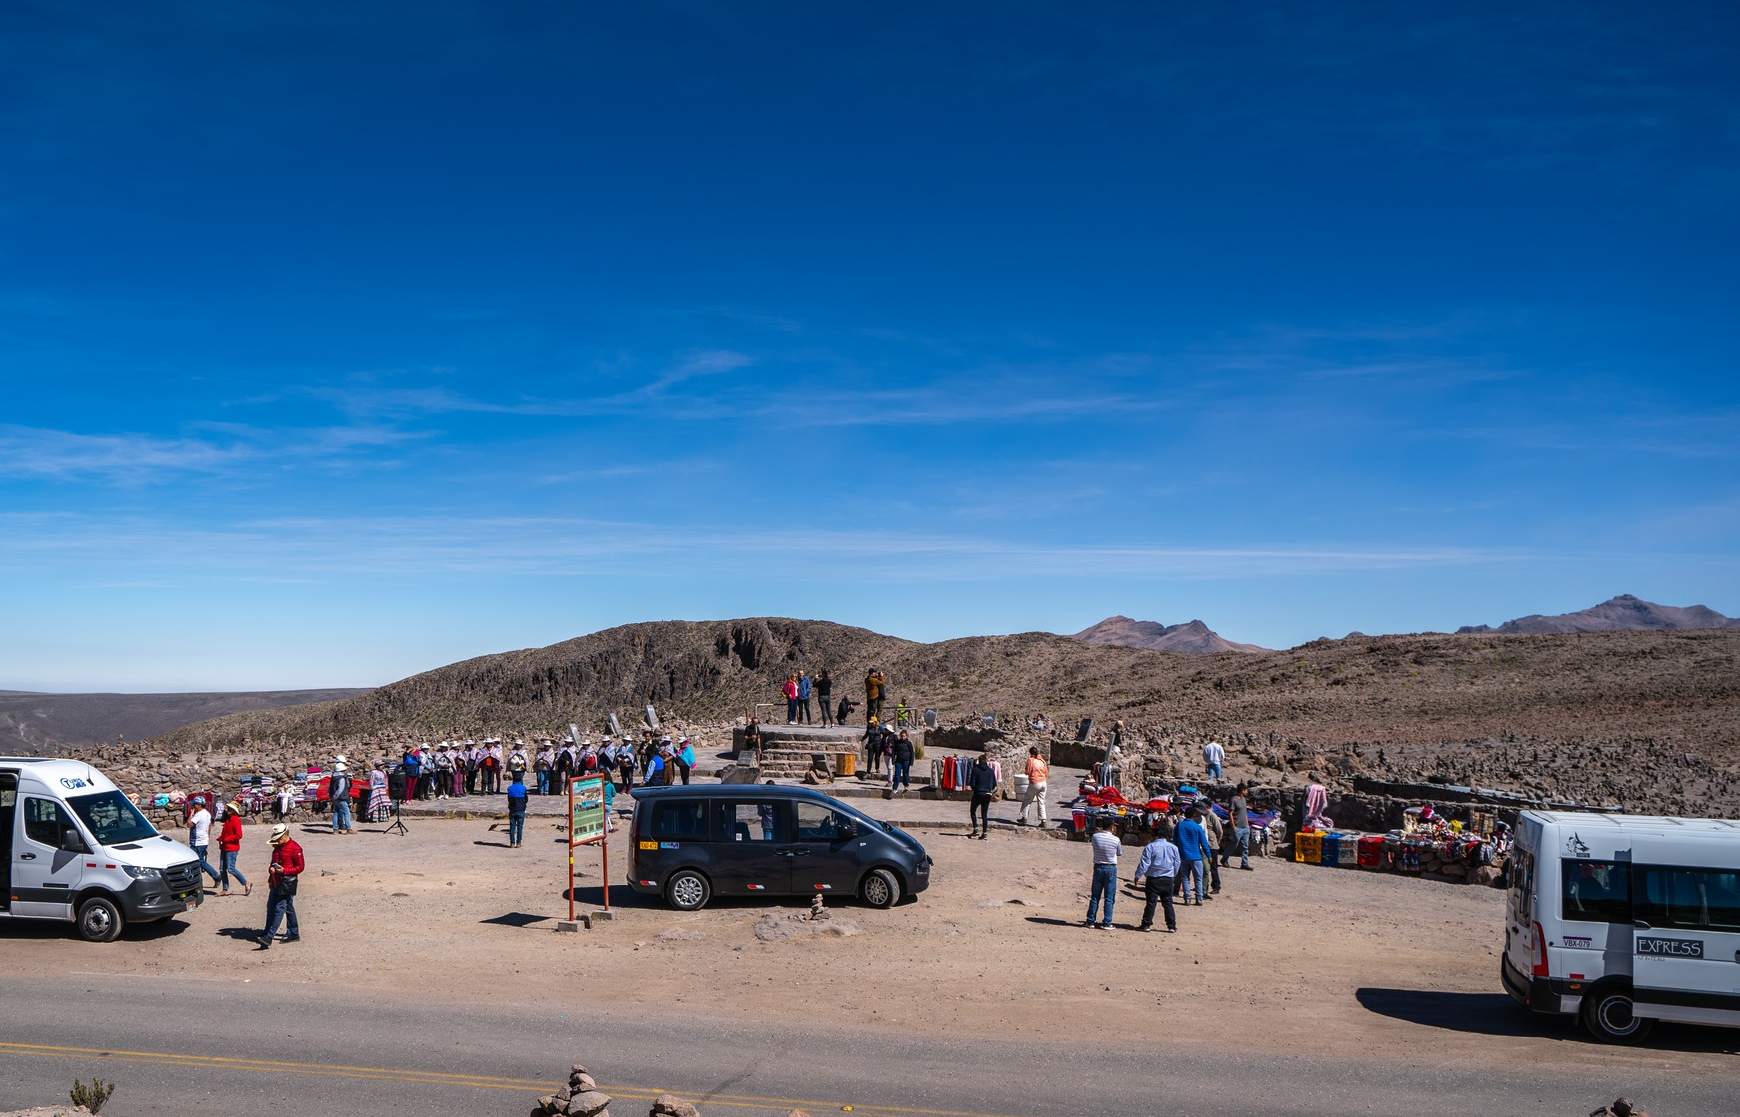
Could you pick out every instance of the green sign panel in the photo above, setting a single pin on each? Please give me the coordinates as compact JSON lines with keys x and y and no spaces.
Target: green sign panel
{"x":586,"y":802}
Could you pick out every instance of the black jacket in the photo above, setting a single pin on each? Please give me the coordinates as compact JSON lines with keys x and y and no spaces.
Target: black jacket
{"x":982,"y":779}
{"x":903,"y":750}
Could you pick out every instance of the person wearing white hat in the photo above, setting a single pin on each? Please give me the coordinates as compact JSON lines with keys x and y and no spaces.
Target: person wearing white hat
{"x":338,"y":790}
{"x":286,"y":873}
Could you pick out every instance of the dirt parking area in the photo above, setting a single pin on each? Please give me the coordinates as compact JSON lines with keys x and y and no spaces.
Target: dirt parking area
{"x":1286,"y":955}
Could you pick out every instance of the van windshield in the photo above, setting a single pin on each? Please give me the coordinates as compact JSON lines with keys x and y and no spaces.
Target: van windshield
{"x":112,"y":818}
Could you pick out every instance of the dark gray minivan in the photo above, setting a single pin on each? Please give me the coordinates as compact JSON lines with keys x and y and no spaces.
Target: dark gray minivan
{"x":689,"y":844}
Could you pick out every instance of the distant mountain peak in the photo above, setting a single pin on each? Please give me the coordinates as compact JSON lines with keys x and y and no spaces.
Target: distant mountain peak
{"x":1621,"y":612}
{"x":1191,"y":637}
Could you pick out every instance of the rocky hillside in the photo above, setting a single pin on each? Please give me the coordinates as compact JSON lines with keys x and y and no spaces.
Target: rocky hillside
{"x":1189,"y":638}
{"x":1616,"y":614}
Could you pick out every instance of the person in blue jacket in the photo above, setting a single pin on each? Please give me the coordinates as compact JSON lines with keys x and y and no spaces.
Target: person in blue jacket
{"x":686,"y":759}
{"x":1193,"y":847}
{"x":516,"y":797}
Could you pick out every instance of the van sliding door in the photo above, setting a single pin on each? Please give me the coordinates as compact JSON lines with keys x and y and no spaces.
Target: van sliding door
{"x":1686,"y":940}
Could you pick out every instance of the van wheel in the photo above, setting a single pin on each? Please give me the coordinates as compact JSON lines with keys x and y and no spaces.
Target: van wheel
{"x":99,"y":920}
{"x":880,"y":889}
{"x":687,"y":890}
{"x":1607,"y":1013}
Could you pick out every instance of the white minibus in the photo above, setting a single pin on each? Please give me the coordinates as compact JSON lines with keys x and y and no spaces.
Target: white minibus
{"x":1624,"y":920}
{"x":73,"y":848}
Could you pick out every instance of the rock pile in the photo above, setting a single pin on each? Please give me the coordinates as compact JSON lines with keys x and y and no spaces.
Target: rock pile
{"x":580,"y":1098}
{"x":1620,"y":1107}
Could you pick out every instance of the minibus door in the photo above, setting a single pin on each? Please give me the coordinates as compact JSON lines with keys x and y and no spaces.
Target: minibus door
{"x":1686,"y":937}
{"x":45,"y":874}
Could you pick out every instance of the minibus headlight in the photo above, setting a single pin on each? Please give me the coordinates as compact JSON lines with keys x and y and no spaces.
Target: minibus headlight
{"x":137,"y":873}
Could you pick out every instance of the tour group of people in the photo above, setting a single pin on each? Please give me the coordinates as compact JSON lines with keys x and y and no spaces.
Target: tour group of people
{"x":452,"y":769}
{"x":805,"y":693}
{"x":1180,"y":866}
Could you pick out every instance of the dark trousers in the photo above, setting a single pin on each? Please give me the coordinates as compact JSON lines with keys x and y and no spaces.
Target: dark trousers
{"x":804,"y":710}
{"x":471,"y":781}
{"x":1214,"y":874}
{"x":281,"y":905}
{"x":1159,"y":891}
{"x":979,"y":811}
{"x":682,"y":769}
{"x":791,"y":710}
{"x":827,"y":709}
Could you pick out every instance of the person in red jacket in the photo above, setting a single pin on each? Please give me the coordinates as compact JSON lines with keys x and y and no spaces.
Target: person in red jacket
{"x":287,"y":866}
{"x":229,"y":845}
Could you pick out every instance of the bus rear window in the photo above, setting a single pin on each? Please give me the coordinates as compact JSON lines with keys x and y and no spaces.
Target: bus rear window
{"x":1595,"y":891}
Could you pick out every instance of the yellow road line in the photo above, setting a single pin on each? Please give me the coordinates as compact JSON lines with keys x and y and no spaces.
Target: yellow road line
{"x":443,"y":1078}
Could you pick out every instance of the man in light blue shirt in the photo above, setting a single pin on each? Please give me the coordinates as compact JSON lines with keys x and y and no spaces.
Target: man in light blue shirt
{"x":1157,"y":872}
{"x":1106,"y":847}
{"x":1194,"y":848}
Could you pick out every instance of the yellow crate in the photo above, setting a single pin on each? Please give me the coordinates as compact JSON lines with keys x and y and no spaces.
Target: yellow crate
{"x":1308,"y":847}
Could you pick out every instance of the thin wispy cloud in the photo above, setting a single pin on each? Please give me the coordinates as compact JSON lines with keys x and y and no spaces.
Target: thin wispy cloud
{"x":208,"y":450}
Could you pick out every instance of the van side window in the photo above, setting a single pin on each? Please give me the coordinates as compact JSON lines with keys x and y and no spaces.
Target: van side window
{"x":44,"y":821}
{"x":1690,"y":899}
{"x":749,"y":822}
{"x":679,"y":820}
{"x":816,"y":823}
{"x":1595,"y":891}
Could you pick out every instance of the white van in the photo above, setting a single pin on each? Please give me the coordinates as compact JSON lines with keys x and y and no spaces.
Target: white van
{"x":1624,"y":920}
{"x":73,"y":848}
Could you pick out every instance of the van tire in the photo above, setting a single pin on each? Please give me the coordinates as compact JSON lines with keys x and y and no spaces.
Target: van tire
{"x":1607,"y":1015}
{"x":881,"y":889}
{"x":687,"y":890}
{"x":99,"y":919}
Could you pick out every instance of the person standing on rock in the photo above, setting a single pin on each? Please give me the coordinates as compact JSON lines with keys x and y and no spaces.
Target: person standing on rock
{"x":229,"y":846}
{"x":199,"y":835}
{"x":1239,"y":832}
{"x":875,"y":687}
{"x":825,"y":696}
{"x":1157,"y":872}
{"x":900,"y":768}
{"x":982,"y":782}
{"x":1214,"y":759}
{"x":804,"y":688}
{"x":1106,"y":848}
{"x":282,"y":881}
{"x":1037,"y":773}
{"x":516,"y":804}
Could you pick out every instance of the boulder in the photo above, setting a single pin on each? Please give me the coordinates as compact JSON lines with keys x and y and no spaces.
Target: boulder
{"x":587,"y":1103}
{"x":669,"y":1105}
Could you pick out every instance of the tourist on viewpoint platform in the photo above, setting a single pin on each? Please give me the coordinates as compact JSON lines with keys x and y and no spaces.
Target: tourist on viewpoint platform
{"x":900,"y":770}
{"x":1038,"y":771}
{"x":790,"y":690}
{"x":824,"y":685}
{"x":229,"y":845}
{"x":1105,"y":879}
{"x":543,"y":766}
{"x":804,"y":689}
{"x":281,"y":885}
{"x":982,"y":782}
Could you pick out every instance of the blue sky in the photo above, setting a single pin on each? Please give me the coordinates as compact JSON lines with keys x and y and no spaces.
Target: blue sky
{"x":340,"y":344}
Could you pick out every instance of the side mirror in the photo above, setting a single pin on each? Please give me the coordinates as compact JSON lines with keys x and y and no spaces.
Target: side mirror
{"x":846,"y":828}
{"x":72,"y":841}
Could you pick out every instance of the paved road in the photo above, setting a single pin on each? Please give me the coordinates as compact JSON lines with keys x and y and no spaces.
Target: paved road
{"x":221,"y":1045}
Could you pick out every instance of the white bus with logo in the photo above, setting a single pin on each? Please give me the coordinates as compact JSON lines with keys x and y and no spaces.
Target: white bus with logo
{"x":1624,"y":920}
{"x":74,"y":848}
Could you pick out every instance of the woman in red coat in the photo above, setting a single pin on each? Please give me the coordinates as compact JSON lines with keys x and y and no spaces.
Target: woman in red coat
{"x":229,"y":845}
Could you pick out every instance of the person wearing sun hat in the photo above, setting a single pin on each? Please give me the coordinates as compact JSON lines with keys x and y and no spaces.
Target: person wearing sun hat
{"x":287,"y":866}
{"x":229,"y":847}
{"x":338,"y":791}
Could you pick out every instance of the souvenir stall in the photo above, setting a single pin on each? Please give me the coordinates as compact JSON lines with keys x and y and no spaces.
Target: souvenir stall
{"x":1426,"y":844}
